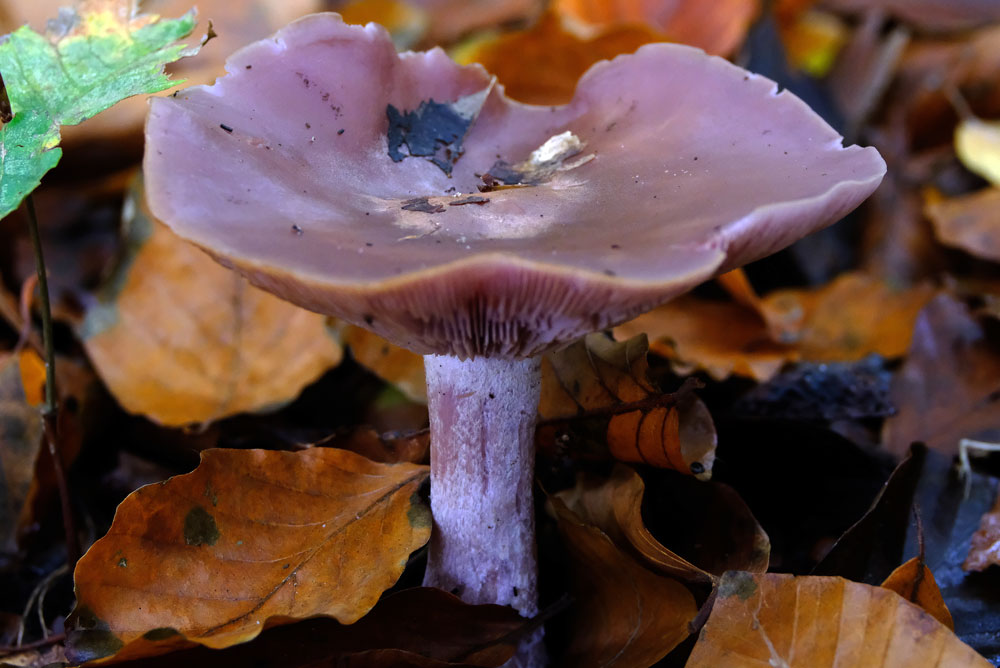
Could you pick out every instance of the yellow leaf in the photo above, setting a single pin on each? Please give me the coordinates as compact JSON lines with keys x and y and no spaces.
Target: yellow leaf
{"x":180,"y":339}
{"x":977,"y":143}
{"x":32,"y":376}
{"x":250,"y":539}
{"x":915,"y":582}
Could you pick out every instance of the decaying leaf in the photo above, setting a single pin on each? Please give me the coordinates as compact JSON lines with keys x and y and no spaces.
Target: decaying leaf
{"x":731,"y":538}
{"x":600,"y":379}
{"x":969,"y":222}
{"x":985,"y":548}
{"x":949,"y":387}
{"x":786,"y":621}
{"x":915,"y":582}
{"x":85,"y":62}
{"x":717,"y":28}
{"x":182,"y":340}
{"x":251,"y":538}
{"x":387,"y":449}
{"x":397,"y":366}
{"x":20,"y":438}
{"x":851,"y":317}
{"x":625,"y":616}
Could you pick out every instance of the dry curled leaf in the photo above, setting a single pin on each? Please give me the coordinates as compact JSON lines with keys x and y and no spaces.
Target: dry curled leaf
{"x":180,"y":339}
{"x":625,"y":615}
{"x":915,"y":582}
{"x":605,"y":383}
{"x":733,"y":540}
{"x":786,"y":621}
{"x":251,"y":538}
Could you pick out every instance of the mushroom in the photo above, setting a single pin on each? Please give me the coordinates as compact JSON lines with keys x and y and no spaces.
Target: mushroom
{"x":406,"y":194}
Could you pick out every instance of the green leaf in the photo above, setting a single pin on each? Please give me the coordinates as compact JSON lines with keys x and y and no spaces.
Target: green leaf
{"x":84,"y":63}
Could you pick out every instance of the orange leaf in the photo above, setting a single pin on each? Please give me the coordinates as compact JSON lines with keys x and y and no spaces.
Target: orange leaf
{"x":626,"y":616}
{"x":822,"y":622}
{"x":397,"y":366}
{"x":615,"y":507}
{"x":181,"y":339}
{"x":718,"y":27}
{"x":970,"y":222}
{"x":32,"y":376}
{"x":249,"y":539}
{"x":915,"y":582}
{"x":597,"y":377}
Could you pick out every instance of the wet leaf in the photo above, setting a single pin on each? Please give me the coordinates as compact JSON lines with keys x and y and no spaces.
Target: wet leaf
{"x":915,"y":582}
{"x":788,"y":621}
{"x":85,"y":62}
{"x":182,"y":340}
{"x":601,"y":379}
{"x":397,"y":366}
{"x":20,"y":439}
{"x":251,"y":538}
{"x":985,"y":548}
{"x":969,"y":222}
{"x":733,"y":539}
{"x":624,"y":615}
{"x":940,"y":408}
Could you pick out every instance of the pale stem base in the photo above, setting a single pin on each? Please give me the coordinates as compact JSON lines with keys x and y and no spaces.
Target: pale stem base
{"x":482,"y":416}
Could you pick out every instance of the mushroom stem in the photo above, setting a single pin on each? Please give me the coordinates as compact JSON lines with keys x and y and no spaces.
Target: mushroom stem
{"x":482,"y":416}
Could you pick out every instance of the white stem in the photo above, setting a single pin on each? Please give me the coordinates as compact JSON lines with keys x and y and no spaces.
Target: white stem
{"x":482,"y":415}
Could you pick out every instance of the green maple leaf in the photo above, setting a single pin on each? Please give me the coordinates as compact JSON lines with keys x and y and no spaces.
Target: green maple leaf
{"x":87,"y":60}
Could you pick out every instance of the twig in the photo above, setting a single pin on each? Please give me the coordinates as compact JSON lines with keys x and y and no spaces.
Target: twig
{"x":43,"y":289}
{"x":38,"y":594}
{"x":53,"y":639}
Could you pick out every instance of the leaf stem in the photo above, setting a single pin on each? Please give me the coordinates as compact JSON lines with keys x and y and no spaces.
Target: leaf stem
{"x":43,"y":289}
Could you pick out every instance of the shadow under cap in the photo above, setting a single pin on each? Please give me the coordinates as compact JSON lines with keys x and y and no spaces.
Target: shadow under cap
{"x":690,"y":166}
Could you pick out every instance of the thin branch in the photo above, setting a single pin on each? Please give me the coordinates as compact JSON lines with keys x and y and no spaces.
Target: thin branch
{"x":43,"y":289}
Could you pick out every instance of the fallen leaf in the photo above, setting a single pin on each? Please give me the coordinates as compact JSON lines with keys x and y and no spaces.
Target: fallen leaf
{"x":20,"y":438}
{"x":513,"y":58}
{"x":985,"y":548}
{"x":249,"y":539}
{"x":86,"y":61}
{"x":915,"y":582}
{"x":939,"y":408}
{"x":813,"y":41}
{"x":731,"y":538}
{"x":452,"y":19}
{"x":969,"y":222}
{"x":412,"y":627}
{"x":397,"y":366}
{"x":786,"y":621}
{"x":937,"y":15}
{"x":624,"y":615}
{"x":715,"y":27}
{"x":873,"y":546}
{"x":977,"y":144}
{"x":180,"y":339}
{"x":597,"y":378}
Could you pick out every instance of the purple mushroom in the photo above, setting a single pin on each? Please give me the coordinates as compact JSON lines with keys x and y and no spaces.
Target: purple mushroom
{"x":406,"y":194}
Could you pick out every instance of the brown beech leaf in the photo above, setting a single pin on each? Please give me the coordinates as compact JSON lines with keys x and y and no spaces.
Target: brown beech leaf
{"x":822,"y":622}
{"x":514,"y":57}
{"x":249,"y":539}
{"x":388,"y":449}
{"x":949,"y":387}
{"x":180,"y":339}
{"x":625,"y":616}
{"x":915,"y":582}
{"x":985,"y":548}
{"x":851,"y":317}
{"x":397,"y":366}
{"x":734,"y":539}
{"x":422,"y":627}
{"x":970,"y":222}
{"x":20,"y":438}
{"x":601,"y":379}
{"x":716,"y":27}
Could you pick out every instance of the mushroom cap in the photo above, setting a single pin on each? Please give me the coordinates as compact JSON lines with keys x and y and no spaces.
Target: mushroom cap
{"x":689,"y":166}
